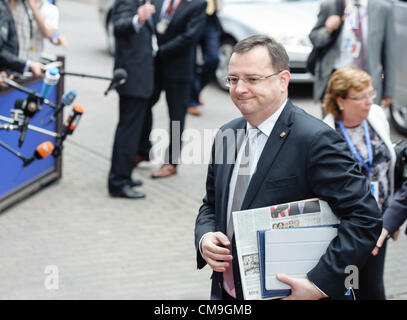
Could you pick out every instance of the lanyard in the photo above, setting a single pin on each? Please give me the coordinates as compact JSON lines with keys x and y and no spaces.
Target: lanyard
{"x":353,"y":149}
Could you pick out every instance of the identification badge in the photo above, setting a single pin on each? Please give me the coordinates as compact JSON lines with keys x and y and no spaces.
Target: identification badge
{"x":355,"y":49}
{"x":162,"y":26}
{"x":374,"y":189}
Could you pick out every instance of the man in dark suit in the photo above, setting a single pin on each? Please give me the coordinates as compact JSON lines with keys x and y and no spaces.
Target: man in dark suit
{"x":366,"y":39}
{"x":297,"y":157}
{"x":133,"y":31}
{"x":179,"y":24}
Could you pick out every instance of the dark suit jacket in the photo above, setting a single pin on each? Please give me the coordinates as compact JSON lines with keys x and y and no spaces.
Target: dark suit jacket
{"x":396,"y":213}
{"x":311,"y":160}
{"x":9,"y":41}
{"x":133,"y":51}
{"x":176,"y":55}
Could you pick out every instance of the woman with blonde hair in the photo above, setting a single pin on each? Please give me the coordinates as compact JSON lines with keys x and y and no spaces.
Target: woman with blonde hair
{"x":351,"y":112}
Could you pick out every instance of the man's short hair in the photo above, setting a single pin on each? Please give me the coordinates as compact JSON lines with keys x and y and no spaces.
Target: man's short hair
{"x":278,"y":55}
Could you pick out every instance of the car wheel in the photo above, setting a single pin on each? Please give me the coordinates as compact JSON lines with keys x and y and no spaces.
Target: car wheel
{"x":398,"y":116}
{"x":225,"y":51}
{"x":110,"y":36}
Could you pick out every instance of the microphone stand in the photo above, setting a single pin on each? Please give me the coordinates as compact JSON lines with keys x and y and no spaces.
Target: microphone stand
{"x":30,"y":126}
{"x":16,"y":153}
{"x":84,"y":75}
{"x":19,"y":87}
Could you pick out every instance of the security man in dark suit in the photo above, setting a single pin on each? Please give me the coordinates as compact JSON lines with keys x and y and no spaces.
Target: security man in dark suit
{"x":134,"y":52}
{"x":297,"y":157}
{"x":179,"y":24}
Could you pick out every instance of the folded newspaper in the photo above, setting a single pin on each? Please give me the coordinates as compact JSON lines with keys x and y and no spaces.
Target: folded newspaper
{"x":310,"y":212}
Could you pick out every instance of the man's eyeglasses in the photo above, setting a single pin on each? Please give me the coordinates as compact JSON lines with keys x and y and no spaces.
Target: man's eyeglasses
{"x":231,"y":81}
{"x":372,"y":94}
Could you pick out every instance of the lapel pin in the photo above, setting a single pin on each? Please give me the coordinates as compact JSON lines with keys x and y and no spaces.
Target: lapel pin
{"x":282,"y":134}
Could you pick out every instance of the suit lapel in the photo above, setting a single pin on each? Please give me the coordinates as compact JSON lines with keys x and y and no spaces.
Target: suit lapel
{"x":276,"y":139}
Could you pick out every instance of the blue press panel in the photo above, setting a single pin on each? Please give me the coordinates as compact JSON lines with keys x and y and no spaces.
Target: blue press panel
{"x":12,"y":173}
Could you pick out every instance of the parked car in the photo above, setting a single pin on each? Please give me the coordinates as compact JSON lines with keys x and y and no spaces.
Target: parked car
{"x":289,"y":21}
{"x":398,"y":109}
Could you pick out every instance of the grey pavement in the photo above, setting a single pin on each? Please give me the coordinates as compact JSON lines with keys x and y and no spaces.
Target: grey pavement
{"x":105,"y":248}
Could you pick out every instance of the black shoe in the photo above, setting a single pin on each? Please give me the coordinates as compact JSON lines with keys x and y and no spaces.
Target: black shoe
{"x":136,"y":183}
{"x":127,"y":192}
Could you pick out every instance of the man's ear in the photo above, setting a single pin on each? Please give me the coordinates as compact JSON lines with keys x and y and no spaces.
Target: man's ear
{"x":285,"y":76}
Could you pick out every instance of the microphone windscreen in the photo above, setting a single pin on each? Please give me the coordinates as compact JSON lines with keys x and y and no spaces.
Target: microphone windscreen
{"x":119,"y":75}
{"x":78,"y":108}
{"x":45,"y":149}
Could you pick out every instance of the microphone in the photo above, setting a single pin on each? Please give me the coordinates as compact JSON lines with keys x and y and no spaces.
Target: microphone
{"x":73,"y":120}
{"x":29,"y":107}
{"x":51,"y":78}
{"x":70,"y":125}
{"x":66,"y":100}
{"x":42,"y":151}
{"x":119,"y":77}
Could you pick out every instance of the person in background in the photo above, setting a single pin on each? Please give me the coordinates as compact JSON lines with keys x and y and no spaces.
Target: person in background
{"x":351,"y":112}
{"x":393,"y":218}
{"x":366,"y":40}
{"x":178,"y":26}
{"x":134,"y":53}
{"x":35,"y":20}
{"x":9,"y":48}
{"x":209,"y":43}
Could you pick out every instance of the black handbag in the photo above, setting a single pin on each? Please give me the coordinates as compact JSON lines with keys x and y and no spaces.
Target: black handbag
{"x":400,"y":169}
{"x":317,"y":53}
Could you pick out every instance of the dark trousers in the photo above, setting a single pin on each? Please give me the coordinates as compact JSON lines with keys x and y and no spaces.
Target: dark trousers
{"x":371,"y":284}
{"x":127,"y":140}
{"x":176,"y":93}
{"x":204,"y":74}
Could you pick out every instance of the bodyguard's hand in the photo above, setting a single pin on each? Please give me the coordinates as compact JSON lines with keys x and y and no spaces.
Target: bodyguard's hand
{"x":213,"y":251}
{"x":301,"y":289}
{"x":145,"y":11}
{"x":332,"y":23}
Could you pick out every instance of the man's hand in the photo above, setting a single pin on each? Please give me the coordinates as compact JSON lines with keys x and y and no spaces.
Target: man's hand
{"x":37,"y":68}
{"x":386,"y":102}
{"x":301,"y":289}
{"x":332,"y":23}
{"x":215,"y":255}
{"x":145,"y":11}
